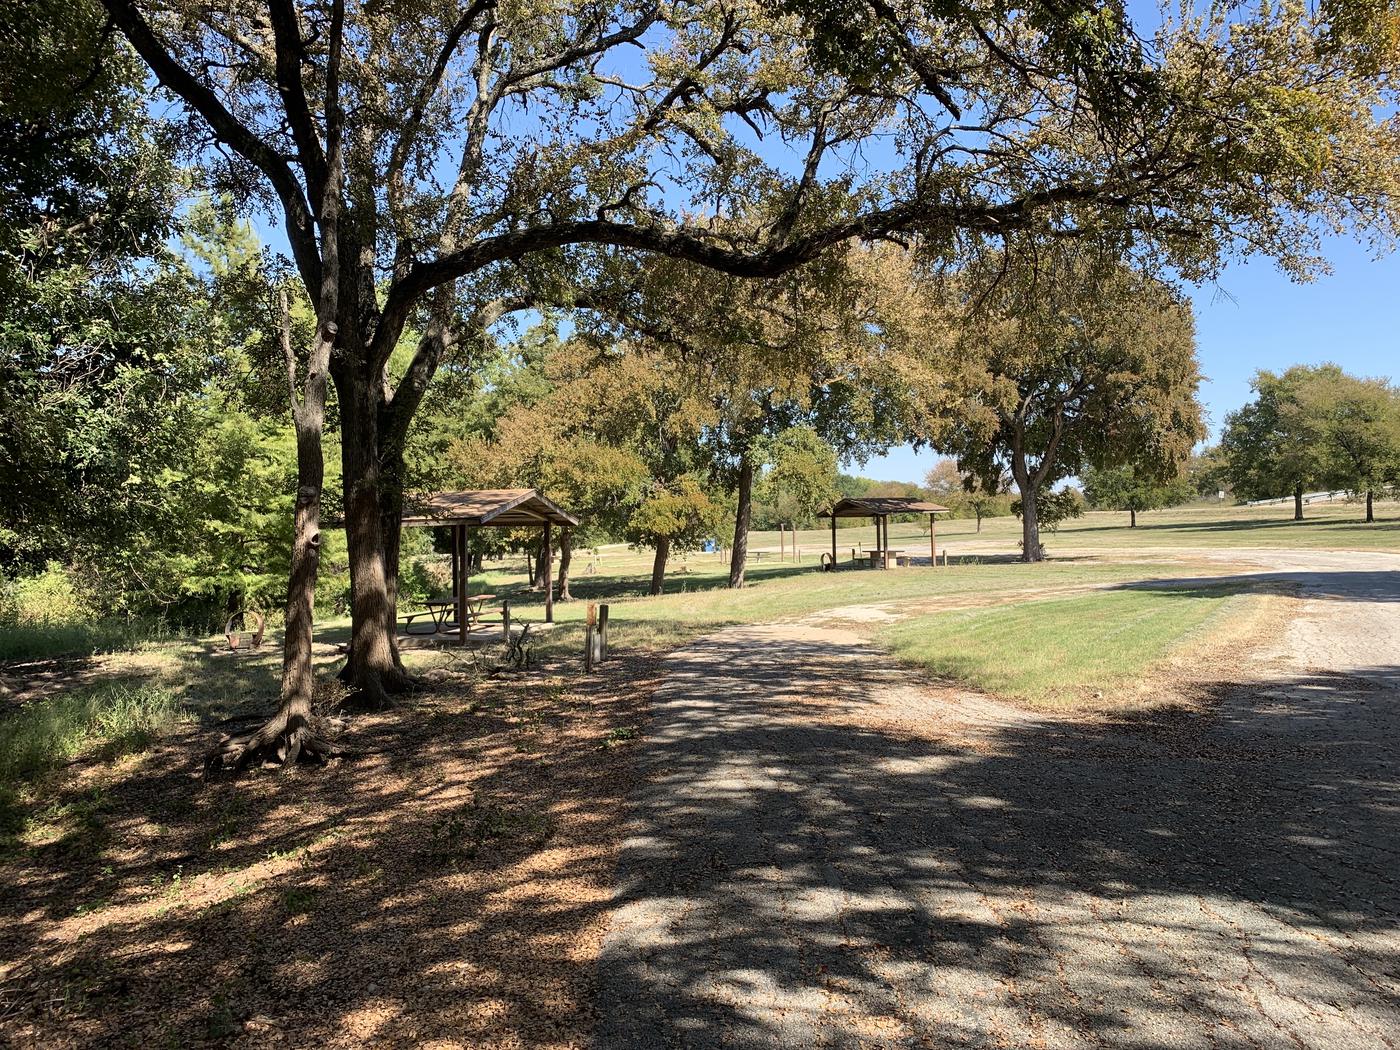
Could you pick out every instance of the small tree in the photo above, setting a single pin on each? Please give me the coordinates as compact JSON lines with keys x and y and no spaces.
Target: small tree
{"x":966,"y":494}
{"x":1278,"y":442}
{"x":674,"y":518}
{"x":1361,"y":422}
{"x":802,"y":478}
{"x":1127,"y":488}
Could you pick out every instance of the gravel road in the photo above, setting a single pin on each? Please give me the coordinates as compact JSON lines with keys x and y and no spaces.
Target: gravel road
{"x":828,"y":856}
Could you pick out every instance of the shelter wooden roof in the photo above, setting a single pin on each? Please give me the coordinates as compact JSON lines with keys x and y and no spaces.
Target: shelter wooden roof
{"x":496,"y":508}
{"x":879,"y":506}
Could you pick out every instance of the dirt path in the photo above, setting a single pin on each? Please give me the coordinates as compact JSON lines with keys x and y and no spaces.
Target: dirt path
{"x":828,"y":856}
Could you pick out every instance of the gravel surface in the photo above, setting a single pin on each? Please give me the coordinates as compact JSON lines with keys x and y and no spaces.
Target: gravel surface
{"x":826,"y":855}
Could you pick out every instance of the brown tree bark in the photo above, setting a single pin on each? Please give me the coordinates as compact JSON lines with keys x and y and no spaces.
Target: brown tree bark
{"x":566,"y":555}
{"x":1132,"y":518}
{"x":1297,"y":502}
{"x":372,"y":668}
{"x":1030,"y":529}
{"x":1028,"y":485}
{"x":658,"y":566}
{"x":291,"y":734}
{"x":537,"y":570}
{"x":740,"y":552}
{"x":1370,"y":508}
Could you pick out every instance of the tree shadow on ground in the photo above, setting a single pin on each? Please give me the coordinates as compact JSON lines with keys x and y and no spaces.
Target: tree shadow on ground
{"x":1364,"y":586}
{"x":826,"y":856}
{"x":445,"y":884}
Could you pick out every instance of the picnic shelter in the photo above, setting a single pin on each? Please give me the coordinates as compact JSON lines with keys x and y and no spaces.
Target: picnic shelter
{"x":485,"y":508}
{"x":880,"y":509}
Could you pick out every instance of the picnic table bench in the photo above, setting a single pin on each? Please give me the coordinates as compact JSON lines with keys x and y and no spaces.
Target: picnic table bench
{"x":441,"y":612}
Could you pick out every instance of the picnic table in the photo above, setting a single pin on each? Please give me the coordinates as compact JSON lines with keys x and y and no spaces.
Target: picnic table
{"x":441,"y":610}
{"x":876,"y":557}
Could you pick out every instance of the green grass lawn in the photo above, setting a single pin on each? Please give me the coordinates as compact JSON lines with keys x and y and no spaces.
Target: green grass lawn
{"x":1337,"y":525}
{"x":700,"y":603}
{"x":1057,"y":651}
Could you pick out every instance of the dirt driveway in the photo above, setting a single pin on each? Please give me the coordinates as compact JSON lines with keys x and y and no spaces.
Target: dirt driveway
{"x":828,"y":856}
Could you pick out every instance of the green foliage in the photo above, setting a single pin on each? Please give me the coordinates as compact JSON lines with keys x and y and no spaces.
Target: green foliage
{"x":800,"y":481}
{"x":1277,"y":443}
{"x":46,"y":598}
{"x":1053,"y":508}
{"x":1360,"y":421}
{"x":120,"y":718}
{"x":1125,"y":488}
{"x":684,"y":513}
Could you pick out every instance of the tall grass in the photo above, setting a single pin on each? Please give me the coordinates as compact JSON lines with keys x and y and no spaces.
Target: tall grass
{"x":42,"y":641}
{"x":116,"y":719}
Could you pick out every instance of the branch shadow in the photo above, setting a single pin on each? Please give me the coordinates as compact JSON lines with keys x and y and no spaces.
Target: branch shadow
{"x":825,"y":857}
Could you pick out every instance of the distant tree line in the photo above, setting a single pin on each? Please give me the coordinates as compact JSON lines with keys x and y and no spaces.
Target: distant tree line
{"x":1309,"y":428}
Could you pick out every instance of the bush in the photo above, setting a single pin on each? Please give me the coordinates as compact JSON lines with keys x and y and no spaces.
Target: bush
{"x":43,"y":600}
{"x":120,"y":718}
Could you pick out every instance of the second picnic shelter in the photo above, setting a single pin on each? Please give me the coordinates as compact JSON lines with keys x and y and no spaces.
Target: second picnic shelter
{"x":880,"y":508}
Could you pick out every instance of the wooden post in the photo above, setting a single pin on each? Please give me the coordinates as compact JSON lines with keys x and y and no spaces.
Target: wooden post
{"x":456,"y":553}
{"x":548,"y":573}
{"x":460,"y":577}
{"x":602,"y":632}
{"x":782,"y":542}
{"x":833,"y":539}
{"x":932,"y":548}
{"x":588,"y":635}
{"x":505,"y":620}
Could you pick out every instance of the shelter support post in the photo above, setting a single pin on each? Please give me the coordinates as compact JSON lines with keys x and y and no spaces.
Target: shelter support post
{"x":932,"y":546}
{"x":456,"y":553}
{"x":833,"y":540}
{"x":459,"y":577}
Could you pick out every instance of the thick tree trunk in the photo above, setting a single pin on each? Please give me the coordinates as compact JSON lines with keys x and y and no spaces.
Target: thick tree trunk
{"x":979,"y":521}
{"x":1370,"y":507}
{"x":566,"y":555}
{"x":1297,"y":502}
{"x":537,"y":572}
{"x":740,"y":552}
{"x":658,"y":566}
{"x":290,"y":734}
{"x":1030,"y":529}
{"x":372,"y":668}
{"x":1132,"y":518}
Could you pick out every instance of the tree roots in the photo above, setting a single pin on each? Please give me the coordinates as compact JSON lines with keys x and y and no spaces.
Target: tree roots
{"x":281,"y":742}
{"x":375,"y":690}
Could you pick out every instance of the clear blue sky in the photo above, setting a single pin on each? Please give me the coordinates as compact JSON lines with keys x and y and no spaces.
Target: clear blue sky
{"x":1256,"y":318}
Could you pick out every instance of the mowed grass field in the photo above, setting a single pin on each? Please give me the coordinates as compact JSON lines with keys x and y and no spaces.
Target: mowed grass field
{"x":1084,"y":648}
{"x":1339,"y":525}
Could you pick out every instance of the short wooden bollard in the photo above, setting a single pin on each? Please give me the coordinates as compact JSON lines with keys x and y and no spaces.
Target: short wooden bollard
{"x":589,"y":631}
{"x":505,"y":620}
{"x":602,"y":633}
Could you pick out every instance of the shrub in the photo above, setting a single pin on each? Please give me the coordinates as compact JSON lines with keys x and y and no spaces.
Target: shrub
{"x":48,"y":598}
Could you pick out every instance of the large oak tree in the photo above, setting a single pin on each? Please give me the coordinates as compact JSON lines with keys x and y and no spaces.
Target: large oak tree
{"x":437,"y":161}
